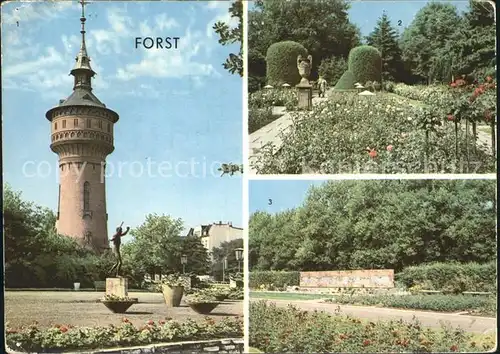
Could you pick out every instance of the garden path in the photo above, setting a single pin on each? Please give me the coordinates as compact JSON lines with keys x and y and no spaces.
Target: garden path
{"x":271,"y":133}
{"x":473,"y":324}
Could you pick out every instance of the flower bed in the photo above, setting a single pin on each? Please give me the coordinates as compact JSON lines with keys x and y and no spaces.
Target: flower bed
{"x":274,"y":329}
{"x":259,"y":117}
{"x":444,"y":303}
{"x":380,"y":134}
{"x":274,"y":97}
{"x":66,"y":337}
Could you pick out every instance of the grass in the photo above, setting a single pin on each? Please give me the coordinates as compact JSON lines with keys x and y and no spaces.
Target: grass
{"x":287,"y":296}
{"x":254,"y":350}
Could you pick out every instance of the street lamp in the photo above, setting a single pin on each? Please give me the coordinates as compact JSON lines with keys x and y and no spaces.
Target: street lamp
{"x":184,"y":260}
{"x":239,"y":257}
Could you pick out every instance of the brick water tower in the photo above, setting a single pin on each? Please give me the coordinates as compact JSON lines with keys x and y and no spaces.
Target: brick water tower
{"x":82,"y":137}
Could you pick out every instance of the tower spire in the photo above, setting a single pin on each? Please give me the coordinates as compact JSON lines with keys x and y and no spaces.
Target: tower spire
{"x":83,"y":71}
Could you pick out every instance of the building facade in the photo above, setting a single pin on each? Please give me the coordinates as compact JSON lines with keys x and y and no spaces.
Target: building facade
{"x":213,"y":235}
{"x":82,"y":137}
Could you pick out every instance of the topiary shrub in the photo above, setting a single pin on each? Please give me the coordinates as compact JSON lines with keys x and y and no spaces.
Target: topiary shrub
{"x":365,"y":63}
{"x":346,"y":81}
{"x":281,"y":63}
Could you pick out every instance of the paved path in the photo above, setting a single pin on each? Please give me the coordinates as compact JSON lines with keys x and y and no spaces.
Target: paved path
{"x":271,"y":133}
{"x":474,"y":324}
{"x":82,"y":309}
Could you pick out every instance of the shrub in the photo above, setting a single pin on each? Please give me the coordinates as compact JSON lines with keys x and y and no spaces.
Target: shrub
{"x":284,"y":330}
{"x":346,"y":81}
{"x":331,"y":69}
{"x":255,"y":83}
{"x":274,"y":97}
{"x":281,"y":63}
{"x":451,"y":277}
{"x":377,"y":86}
{"x":389,"y":86}
{"x":279,"y":279}
{"x":365,"y":63}
{"x":68,"y":338}
{"x":438,"y":302}
{"x":259,"y":117}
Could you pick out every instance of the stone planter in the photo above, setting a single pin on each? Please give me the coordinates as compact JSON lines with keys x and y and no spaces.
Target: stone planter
{"x":119,"y":306}
{"x":172,"y":295}
{"x":203,"y":308}
{"x":76,"y":286}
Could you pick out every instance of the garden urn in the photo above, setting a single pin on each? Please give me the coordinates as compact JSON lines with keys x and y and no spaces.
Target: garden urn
{"x":304,"y":67}
{"x":172,"y":295}
{"x":76,"y":286}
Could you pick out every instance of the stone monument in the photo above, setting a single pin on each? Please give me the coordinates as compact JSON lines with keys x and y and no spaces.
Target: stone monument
{"x":304,"y":87}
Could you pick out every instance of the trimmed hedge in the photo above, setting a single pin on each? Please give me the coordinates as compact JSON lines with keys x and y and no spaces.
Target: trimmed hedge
{"x":346,"y":81}
{"x":279,"y":279}
{"x":365,"y":63}
{"x":281,"y":63}
{"x":451,"y":277}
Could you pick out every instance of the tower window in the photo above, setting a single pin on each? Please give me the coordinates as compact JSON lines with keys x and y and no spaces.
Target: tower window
{"x":109,"y":128}
{"x":75,"y":122}
{"x":86,"y":196}
{"x":64,"y":123}
{"x":89,"y":123}
{"x":100,"y":124}
{"x":55,"y":126}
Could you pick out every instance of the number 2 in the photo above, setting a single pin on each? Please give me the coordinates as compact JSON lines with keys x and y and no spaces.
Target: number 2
{"x":400,"y":22}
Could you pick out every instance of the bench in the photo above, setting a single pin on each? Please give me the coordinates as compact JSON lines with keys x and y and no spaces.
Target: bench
{"x":100,"y":285}
{"x":477,"y":293}
{"x":430,"y":291}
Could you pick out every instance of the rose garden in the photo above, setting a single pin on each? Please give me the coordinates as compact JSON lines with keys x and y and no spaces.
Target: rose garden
{"x":377,"y":266}
{"x":389,"y":108}
{"x":61,"y":297}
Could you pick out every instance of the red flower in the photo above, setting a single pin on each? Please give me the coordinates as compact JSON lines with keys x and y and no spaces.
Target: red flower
{"x":125,"y":319}
{"x":366,"y":342}
{"x":454,"y":348}
{"x":343,"y":336}
{"x":63,"y":329}
{"x":488,"y":79}
{"x":151,"y":322}
{"x":373,"y":153}
{"x":389,"y":148}
{"x":453,"y":84}
{"x":450,"y":117}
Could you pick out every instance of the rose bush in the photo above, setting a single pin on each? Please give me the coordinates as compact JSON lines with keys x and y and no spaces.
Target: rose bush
{"x":281,"y":330}
{"x":274,"y":97}
{"x":380,"y":134}
{"x":50,"y":340}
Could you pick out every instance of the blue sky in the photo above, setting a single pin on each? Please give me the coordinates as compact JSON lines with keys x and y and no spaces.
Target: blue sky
{"x":285,"y":194}
{"x":176,"y":106}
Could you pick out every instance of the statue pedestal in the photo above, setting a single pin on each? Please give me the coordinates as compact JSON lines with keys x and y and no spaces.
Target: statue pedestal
{"x":117,"y":287}
{"x":304,"y":95}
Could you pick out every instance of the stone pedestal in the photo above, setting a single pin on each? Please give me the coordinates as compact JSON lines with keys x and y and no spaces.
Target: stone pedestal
{"x":305,"y":95}
{"x":117,"y":287}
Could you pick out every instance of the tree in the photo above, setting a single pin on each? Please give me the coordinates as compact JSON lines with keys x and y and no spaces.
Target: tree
{"x":156,"y":247}
{"x":385,"y":38}
{"x":226,"y":250}
{"x":228,"y":35}
{"x":321,"y":26}
{"x":198,"y":260}
{"x":424,"y":39}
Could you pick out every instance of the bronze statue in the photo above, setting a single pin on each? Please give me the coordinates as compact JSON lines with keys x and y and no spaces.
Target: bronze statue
{"x":304,"y":66}
{"x":117,"y":242}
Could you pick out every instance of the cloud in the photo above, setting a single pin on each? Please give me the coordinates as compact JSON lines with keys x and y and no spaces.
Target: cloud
{"x":28,"y":12}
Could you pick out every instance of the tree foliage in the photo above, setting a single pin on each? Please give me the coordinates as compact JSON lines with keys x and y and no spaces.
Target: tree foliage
{"x":365,"y":63}
{"x":228,"y":35}
{"x":378,"y":224}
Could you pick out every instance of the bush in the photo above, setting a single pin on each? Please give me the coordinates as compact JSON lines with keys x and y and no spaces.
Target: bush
{"x":279,"y":279}
{"x":331,"y":69}
{"x":281,"y":63}
{"x":68,"y":338}
{"x":259,"y":117}
{"x":274,"y":97}
{"x":346,"y":81}
{"x":439,"y":302}
{"x":377,"y":86}
{"x":284,"y":330}
{"x":389,"y":86}
{"x":255,"y":83}
{"x":451,"y":277}
{"x":365,"y":63}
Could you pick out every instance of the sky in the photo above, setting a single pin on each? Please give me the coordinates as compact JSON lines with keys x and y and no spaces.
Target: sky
{"x":178,"y":107}
{"x":284,"y":195}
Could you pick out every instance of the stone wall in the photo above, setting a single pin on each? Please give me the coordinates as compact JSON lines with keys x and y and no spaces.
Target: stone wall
{"x":369,"y":278}
{"x":208,"y":346}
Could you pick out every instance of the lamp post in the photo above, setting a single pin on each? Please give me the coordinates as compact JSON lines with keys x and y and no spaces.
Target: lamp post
{"x":224,"y":267}
{"x":184,"y":260}
{"x":239,"y":257}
